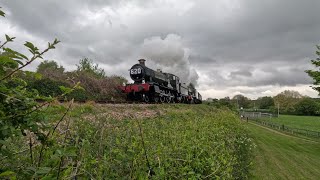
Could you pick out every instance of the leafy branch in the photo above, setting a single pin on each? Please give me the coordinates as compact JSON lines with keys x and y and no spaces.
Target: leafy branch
{"x":52,"y":132}
{"x":65,"y":90}
{"x":34,"y":51}
{"x":315,"y":74}
{"x":8,"y":39}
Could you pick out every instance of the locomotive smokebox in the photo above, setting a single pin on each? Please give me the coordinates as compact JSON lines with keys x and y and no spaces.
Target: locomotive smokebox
{"x":142,"y":61}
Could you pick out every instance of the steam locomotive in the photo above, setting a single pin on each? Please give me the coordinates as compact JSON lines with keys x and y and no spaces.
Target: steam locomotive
{"x":158,"y":86}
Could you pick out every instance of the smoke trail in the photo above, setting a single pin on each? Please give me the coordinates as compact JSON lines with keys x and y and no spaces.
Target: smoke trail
{"x":170,"y":55}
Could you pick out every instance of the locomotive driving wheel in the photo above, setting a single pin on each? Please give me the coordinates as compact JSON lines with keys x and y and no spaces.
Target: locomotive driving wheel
{"x":168,"y":99}
{"x":146,"y":98}
{"x":162,"y":99}
{"x":156,"y":99}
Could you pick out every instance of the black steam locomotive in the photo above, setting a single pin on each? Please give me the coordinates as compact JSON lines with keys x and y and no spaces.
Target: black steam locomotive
{"x":157,"y":86}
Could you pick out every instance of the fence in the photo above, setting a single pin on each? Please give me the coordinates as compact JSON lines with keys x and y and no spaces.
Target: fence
{"x":255,"y":117}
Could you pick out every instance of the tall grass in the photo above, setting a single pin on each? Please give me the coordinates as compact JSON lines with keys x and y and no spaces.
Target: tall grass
{"x":155,"y":141}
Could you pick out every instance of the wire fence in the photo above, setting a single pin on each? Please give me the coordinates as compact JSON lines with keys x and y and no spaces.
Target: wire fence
{"x":256,"y":118}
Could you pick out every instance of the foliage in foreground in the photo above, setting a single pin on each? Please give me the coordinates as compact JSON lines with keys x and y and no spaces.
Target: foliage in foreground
{"x":19,"y":112}
{"x":315,"y":74}
{"x":179,"y":142}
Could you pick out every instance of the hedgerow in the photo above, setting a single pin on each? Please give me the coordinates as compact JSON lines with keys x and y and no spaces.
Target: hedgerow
{"x":175,"y":142}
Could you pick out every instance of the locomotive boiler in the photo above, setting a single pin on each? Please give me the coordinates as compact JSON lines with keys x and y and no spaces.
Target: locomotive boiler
{"x":158,"y":86}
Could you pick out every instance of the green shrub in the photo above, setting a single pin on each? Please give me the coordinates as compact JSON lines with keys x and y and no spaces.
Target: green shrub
{"x":79,"y":95}
{"x":47,"y":87}
{"x":308,"y":107}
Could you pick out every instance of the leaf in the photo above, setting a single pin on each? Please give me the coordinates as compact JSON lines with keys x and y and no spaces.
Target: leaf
{"x":8,"y":38}
{"x":43,"y":170}
{"x":77,"y":86}
{"x":33,"y":49}
{"x":15,"y":54}
{"x":2,"y":13}
{"x":21,"y":63}
{"x":29,"y":45}
{"x":8,"y":173}
{"x":2,"y":142}
{"x":8,"y":62}
{"x":65,"y":90}
{"x":50,"y":177}
{"x":59,"y":152}
{"x":71,"y":151}
{"x":56,"y":41}
{"x":38,"y":76}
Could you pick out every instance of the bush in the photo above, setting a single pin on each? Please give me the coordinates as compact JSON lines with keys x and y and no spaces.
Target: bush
{"x":47,"y":87}
{"x":79,"y":95}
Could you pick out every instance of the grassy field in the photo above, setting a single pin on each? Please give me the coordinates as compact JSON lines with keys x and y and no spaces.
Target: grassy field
{"x":279,"y":156}
{"x":302,"y":122}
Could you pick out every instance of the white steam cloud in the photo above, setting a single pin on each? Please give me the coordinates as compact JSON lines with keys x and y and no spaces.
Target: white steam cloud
{"x":170,"y":55}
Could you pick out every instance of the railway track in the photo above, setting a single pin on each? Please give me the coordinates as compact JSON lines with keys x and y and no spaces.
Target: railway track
{"x":122,"y":102}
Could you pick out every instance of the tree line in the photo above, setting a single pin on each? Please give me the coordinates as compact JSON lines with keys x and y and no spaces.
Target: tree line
{"x":287,"y":102}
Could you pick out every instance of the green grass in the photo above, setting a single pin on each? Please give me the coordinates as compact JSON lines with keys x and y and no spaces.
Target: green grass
{"x":301,"y":122}
{"x":279,"y":156}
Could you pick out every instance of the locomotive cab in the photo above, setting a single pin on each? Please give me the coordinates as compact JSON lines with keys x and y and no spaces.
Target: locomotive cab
{"x":174,"y":81}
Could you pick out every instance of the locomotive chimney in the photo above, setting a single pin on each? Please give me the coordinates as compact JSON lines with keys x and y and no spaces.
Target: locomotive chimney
{"x":142,"y":61}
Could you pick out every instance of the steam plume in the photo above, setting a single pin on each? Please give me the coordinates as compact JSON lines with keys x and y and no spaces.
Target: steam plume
{"x":170,"y":55}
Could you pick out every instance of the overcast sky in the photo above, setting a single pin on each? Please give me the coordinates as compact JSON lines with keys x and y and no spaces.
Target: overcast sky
{"x":226,"y":47}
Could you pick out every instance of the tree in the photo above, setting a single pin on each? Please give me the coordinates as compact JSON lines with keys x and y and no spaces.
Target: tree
{"x":265,"y":102}
{"x":241,"y":101}
{"x":87,"y":66}
{"x":315,"y":74}
{"x":287,"y":101}
{"x":49,"y":66}
{"x":226,"y":102}
{"x":51,"y":70}
{"x":308,"y":107}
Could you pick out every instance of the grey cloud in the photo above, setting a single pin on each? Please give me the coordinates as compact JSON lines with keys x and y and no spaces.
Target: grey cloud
{"x":243,"y":73}
{"x":259,"y":76}
{"x":221,"y":44}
